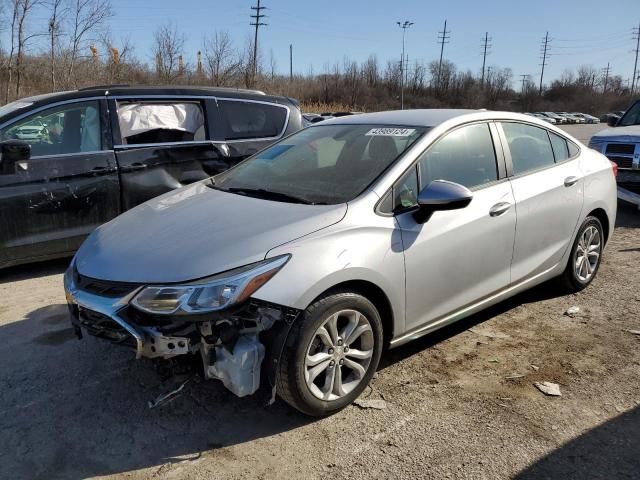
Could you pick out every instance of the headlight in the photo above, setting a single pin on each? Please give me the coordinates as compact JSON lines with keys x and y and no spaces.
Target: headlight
{"x":211,"y":294}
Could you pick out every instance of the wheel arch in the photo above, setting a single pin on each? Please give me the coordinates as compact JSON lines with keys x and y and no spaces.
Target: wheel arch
{"x":601,"y":215}
{"x":375,"y":295}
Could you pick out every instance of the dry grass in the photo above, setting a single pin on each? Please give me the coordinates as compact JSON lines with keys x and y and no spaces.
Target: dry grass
{"x":321,"y":107}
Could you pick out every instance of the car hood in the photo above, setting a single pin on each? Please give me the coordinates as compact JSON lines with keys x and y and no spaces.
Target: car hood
{"x":195,"y":232}
{"x":619,"y":134}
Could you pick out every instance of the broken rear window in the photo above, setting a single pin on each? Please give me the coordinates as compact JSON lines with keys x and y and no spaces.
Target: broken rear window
{"x":161,"y":122}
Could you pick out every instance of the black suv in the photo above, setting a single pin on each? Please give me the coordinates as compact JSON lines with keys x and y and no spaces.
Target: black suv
{"x":71,"y":161}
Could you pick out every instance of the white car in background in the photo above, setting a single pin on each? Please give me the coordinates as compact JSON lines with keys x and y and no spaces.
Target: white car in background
{"x":587,"y":118}
{"x":551,"y":120}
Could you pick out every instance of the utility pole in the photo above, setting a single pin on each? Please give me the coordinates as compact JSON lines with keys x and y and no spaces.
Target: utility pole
{"x":443,"y":37}
{"x":256,"y":23}
{"x":524,"y":78}
{"x":545,"y":53}
{"x":403,"y":25}
{"x":486,"y":46}
{"x":636,"y":37}
{"x":605,"y":72}
{"x":291,"y":62}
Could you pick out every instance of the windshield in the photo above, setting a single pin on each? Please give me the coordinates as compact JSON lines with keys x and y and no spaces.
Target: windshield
{"x":632,"y":117}
{"x":324,"y":164}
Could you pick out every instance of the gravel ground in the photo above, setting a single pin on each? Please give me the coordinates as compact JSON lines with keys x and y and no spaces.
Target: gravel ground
{"x":459,"y":403}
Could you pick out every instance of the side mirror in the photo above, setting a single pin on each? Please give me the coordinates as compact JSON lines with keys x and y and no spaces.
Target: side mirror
{"x":612,"y":120}
{"x":441,"y":195}
{"x":12,"y":151}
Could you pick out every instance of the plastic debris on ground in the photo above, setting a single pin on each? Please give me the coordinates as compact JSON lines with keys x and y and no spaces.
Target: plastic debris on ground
{"x":167,"y":397}
{"x":376,"y":404}
{"x":549,"y":388}
{"x":635,"y":332}
{"x":572,"y":312}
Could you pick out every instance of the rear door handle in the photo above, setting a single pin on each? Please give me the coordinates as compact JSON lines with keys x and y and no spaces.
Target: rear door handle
{"x":134,"y":167}
{"x":499,"y":209}
{"x":570,"y":181}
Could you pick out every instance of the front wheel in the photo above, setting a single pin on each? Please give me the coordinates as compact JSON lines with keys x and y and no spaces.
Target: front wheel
{"x":331,"y":354}
{"x":586,"y":255}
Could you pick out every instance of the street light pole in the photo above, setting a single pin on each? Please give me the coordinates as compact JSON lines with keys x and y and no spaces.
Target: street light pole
{"x":403,"y":25}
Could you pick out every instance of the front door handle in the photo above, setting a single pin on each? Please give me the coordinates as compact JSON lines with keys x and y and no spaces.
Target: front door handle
{"x":499,"y":209}
{"x":570,"y":181}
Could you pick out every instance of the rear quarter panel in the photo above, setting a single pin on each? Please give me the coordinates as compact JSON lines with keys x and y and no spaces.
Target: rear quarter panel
{"x":600,"y":190}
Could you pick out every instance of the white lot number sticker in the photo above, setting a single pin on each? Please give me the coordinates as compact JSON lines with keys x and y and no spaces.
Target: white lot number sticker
{"x":390,"y":132}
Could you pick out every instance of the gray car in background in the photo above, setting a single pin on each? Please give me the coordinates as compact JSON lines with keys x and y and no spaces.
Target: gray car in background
{"x":297,"y":267}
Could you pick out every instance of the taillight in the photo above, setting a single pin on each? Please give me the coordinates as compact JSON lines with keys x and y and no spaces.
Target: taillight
{"x":614,"y":166}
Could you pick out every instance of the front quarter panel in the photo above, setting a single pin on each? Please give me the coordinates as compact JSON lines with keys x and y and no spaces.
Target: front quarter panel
{"x":360,"y":248}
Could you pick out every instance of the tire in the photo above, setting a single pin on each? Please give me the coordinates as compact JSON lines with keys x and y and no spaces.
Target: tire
{"x":570,"y":279}
{"x":306,"y":344}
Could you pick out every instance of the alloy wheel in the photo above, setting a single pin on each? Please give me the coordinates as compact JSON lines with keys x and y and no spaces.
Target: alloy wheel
{"x":587,"y":253}
{"x":339,"y":355}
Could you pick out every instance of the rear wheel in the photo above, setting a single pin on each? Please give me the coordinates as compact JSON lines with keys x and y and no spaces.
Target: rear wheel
{"x":331,"y":354}
{"x":586,"y":255}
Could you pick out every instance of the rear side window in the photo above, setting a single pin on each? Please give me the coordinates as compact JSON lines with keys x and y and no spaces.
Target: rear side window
{"x":573,"y":149}
{"x":465,"y":156}
{"x":161,"y":122}
{"x":529,"y":146}
{"x":560,"y":148}
{"x":246,"y":120}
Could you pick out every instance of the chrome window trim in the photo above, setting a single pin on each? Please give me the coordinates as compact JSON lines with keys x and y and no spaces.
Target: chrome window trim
{"x":48,"y":106}
{"x":93,"y":152}
{"x":169,"y":144}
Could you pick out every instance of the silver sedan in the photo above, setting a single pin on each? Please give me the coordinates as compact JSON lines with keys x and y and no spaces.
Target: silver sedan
{"x":295,"y":269}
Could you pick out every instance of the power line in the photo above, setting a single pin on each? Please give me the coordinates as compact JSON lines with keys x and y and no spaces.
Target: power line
{"x":545,"y":52}
{"x":443,"y":37}
{"x":524,"y":78}
{"x":256,"y":23}
{"x":403,"y":25}
{"x":636,"y":37}
{"x":486,"y":47}
{"x":605,"y":72}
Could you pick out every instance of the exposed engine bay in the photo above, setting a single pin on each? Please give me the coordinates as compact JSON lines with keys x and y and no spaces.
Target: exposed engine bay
{"x":239,"y":347}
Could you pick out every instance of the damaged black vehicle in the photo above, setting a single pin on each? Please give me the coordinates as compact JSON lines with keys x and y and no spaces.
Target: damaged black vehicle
{"x":71,"y":161}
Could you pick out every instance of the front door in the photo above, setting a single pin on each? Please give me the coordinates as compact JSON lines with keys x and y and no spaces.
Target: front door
{"x":458,"y":257}
{"x":52,"y":201}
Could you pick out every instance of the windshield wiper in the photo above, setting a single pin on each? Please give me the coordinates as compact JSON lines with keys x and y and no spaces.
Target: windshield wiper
{"x":269,"y":195}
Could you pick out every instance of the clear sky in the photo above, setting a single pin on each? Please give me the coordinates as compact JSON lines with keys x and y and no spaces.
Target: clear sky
{"x":582,"y":31}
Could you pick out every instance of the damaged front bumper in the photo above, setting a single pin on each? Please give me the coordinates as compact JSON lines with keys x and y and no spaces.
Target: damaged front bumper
{"x":232,"y":346}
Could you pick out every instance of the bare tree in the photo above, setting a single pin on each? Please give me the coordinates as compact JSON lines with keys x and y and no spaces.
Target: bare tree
{"x":168,"y":50}
{"x":55,"y":30}
{"x":88,"y":17}
{"x":24,"y":9}
{"x":15,"y":11}
{"x":273,"y":65}
{"x":221,"y":60}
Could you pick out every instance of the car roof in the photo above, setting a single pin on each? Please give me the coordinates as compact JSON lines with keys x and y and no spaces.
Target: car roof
{"x":414,"y":118}
{"x":146,"y":90}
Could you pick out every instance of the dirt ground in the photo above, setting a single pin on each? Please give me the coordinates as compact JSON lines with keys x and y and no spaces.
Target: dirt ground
{"x":459,"y":403}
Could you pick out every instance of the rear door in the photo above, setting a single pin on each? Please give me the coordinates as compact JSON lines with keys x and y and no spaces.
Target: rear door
{"x":69,"y":186}
{"x":163,"y":143}
{"x":548,"y":188}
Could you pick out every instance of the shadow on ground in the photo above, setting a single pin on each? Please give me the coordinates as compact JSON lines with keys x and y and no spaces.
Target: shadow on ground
{"x":609,"y":451}
{"x":33,"y":270}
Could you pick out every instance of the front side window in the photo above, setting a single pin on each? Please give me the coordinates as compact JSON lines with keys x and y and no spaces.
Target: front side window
{"x":631,"y":116}
{"x":465,"y":156}
{"x":246,"y":120}
{"x":161,"y":122}
{"x":529,"y":146}
{"x":323,"y":164}
{"x":66,"y":129}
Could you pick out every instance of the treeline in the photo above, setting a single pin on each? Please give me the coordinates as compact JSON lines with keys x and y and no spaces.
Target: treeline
{"x":76,"y":51}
